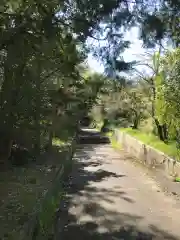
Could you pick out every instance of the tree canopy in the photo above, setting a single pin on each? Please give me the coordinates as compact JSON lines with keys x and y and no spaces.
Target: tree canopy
{"x":43,"y":46}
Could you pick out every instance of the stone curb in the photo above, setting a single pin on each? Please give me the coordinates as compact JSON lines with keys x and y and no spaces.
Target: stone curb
{"x":147,"y":154}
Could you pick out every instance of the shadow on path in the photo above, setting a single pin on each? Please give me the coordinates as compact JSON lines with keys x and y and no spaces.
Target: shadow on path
{"x":92,"y":137}
{"x":86,"y":196}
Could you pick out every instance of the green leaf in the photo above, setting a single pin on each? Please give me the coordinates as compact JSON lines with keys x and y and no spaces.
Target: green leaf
{"x":177,"y":179}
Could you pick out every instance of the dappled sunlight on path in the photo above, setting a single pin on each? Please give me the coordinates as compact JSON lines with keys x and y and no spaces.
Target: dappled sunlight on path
{"x":110,"y":198}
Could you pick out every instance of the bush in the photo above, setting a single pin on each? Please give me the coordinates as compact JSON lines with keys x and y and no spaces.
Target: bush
{"x":20,"y":156}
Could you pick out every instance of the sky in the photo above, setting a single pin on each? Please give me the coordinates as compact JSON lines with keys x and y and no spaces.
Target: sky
{"x":134,"y":52}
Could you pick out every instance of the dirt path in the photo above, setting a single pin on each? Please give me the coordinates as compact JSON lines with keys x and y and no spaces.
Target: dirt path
{"x":110,"y":198}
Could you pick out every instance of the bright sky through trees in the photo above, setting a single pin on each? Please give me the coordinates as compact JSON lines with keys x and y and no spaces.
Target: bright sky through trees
{"x":136,"y":52}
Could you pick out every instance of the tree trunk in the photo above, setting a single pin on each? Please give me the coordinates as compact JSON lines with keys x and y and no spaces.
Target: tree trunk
{"x":160,"y":130}
{"x":165,"y":131}
{"x":154,"y":98}
{"x":54,"y":115}
{"x":37,"y":145}
{"x":136,"y":121}
{"x":7,"y":118}
{"x":5,"y":147}
{"x":50,"y":139}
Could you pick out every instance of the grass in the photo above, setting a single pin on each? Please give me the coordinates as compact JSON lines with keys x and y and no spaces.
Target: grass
{"x":58,"y":142}
{"x":113,"y":141}
{"x":177,"y":179}
{"x":22,"y":187}
{"x":152,"y":140}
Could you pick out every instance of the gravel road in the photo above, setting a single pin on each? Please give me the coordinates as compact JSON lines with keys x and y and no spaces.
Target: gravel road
{"x":109,"y":197}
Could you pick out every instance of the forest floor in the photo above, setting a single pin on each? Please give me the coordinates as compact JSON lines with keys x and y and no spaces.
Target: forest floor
{"x":22,"y":188}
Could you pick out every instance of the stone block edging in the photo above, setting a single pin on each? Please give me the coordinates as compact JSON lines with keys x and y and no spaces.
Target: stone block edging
{"x":147,"y":154}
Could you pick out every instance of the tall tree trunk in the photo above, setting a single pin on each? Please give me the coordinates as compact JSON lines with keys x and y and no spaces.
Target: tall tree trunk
{"x":153,"y":98}
{"x":37,"y":145}
{"x":51,"y":129}
{"x":5,"y":147}
{"x":162,"y":130}
{"x":165,"y":132}
{"x":50,"y":139}
{"x":135,"y":123}
{"x":7,"y":118}
{"x":159,"y":129}
{"x":136,"y":120}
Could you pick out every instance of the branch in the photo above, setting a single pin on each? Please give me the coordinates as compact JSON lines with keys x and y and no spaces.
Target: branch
{"x":145,"y":64}
{"x":99,"y":39}
{"x":50,"y":74}
{"x":143,"y":77}
{"x":14,"y":31}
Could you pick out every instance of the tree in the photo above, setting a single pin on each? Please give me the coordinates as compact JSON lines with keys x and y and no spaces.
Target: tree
{"x":160,"y":20}
{"x":137,"y":105}
{"x":35,"y":50}
{"x":154,"y":89}
{"x":41,"y":47}
{"x":171,"y":88}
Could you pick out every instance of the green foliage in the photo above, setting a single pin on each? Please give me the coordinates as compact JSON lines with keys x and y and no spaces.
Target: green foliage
{"x":120,"y":103}
{"x":30,"y":68}
{"x":50,"y":206}
{"x":171,"y":90}
{"x":156,"y":97}
{"x":177,"y":179}
{"x":160,"y":22}
{"x":160,"y":101}
{"x":42,"y":45}
{"x":161,"y":110}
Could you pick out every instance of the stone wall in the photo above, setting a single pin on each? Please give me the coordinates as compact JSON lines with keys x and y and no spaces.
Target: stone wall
{"x":146,"y":154}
